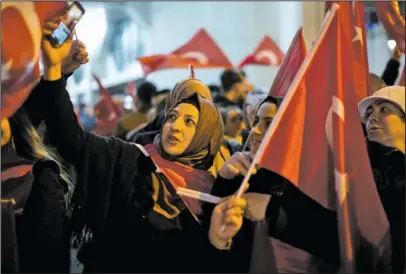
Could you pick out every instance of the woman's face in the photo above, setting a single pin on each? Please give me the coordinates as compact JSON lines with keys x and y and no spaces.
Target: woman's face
{"x":262,"y":121}
{"x":385,"y":123}
{"x":232,"y":125}
{"x":179,"y":129}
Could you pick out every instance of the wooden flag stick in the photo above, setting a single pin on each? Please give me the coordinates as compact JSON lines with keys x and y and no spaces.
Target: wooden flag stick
{"x":192,"y":71}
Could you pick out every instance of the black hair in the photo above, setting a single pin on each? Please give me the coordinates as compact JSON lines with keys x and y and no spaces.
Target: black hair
{"x":146,"y":91}
{"x":269,"y":99}
{"x":229,"y":78}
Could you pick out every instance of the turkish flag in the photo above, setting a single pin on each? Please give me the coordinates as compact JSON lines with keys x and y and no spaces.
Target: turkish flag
{"x":267,"y":53}
{"x":201,"y":51}
{"x":21,"y":34}
{"x":290,"y":66}
{"x":316,"y":141}
{"x":389,"y":14}
{"x":107,"y":111}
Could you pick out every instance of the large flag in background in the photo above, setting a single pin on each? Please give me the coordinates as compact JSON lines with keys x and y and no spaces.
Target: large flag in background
{"x":107,"y":111}
{"x":290,"y":66}
{"x":316,"y":142}
{"x":21,"y":33}
{"x":389,"y":14}
{"x":267,"y":53}
{"x":201,"y":51}
{"x":355,"y":20}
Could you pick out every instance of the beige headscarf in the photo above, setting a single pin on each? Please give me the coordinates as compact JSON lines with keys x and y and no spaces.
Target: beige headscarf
{"x":184,"y":89}
{"x":208,"y":136}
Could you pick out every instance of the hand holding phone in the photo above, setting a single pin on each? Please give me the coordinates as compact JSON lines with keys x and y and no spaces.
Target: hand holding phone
{"x":65,"y":28}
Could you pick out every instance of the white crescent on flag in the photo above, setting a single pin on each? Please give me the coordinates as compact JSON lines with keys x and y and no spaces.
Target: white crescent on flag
{"x":270,"y":55}
{"x":338,"y":108}
{"x":30,"y":17}
{"x":340,"y":179}
{"x":198,"y":56}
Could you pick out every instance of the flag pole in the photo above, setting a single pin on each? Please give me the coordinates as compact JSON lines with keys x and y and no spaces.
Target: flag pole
{"x":192,"y":71}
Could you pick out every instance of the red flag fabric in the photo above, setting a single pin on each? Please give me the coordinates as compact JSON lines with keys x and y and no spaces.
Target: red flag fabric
{"x":132,"y":89}
{"x":21,"y":34}
{"x":201,"y":51}
{"x":107,"y":111}
{"x":316,"y":141}
{"x":389,"y":14}
{"x":267,"y":53}
{"x":354,"y":20}
{"x":290,"y":66}
{"x":402,"y":77}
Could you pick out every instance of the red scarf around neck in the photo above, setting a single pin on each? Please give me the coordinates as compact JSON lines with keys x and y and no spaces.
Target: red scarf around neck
{"x":180,"y":175}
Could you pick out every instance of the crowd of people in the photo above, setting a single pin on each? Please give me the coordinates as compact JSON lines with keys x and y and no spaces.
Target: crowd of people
{"x":114,"y":197}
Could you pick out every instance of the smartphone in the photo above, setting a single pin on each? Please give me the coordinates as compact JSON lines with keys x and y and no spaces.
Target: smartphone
{"x":71,"y":17}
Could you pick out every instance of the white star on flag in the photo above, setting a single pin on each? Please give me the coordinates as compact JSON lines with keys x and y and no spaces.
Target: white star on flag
{"x":5,"y":69}
{"x":358,"y":37}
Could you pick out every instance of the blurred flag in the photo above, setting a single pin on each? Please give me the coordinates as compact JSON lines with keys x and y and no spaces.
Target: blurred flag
{"x":132,"y":89}
{"x":290,"y":66}
{"x":316,"y":141}
{"x":201,"y":51}
{"x":389,"y":14}
{"x":106,"y":110}
{"x":267,"y":53}
{"x":402,"y":77}
{"x":21,"y":53}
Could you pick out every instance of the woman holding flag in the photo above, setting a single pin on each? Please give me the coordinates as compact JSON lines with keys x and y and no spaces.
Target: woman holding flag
{"x":295,"y":251}
{"x":292,"y":232}
{"x":126,"y":213}
{"x":304,"y":235}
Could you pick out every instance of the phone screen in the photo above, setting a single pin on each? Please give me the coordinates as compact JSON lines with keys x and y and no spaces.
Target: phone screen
{"x":70,"y":19}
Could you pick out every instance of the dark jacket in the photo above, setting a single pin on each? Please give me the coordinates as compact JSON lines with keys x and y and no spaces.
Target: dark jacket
{"x":388,"y":166}
{"x":113,"y":199}
{"x":154,"y":125}
{"x":288,"y":209}
{"x":318,"y":233}
{"x":41,"y":219}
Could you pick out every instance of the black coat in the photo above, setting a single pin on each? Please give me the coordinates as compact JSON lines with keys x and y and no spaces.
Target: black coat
{"x":318,"y":234}
{"x":113,"y":199}
{"x":41,"y":219}
{"x":285,"y":213}
{"x":388,"y":166}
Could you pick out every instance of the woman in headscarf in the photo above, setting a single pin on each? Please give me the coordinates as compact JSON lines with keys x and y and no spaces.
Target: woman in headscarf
{"x":383,"y":115}
{"x":34,"y":180}
{"x":291,"y":232}
{"x":181,"y":90}
{"x":126,"y":213}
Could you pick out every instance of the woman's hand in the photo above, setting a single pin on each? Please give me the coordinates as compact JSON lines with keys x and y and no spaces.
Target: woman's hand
{"x":77,"y":56}
{"x":237,"y":164}
{"x":53,"y":57}
{"x":257,"y":204}
{"x":226,"y":221}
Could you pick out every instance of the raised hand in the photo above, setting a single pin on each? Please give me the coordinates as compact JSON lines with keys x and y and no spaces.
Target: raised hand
{"x":237,"y":164}
{"x":54,"y":56}
{"x":77,"y":56}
